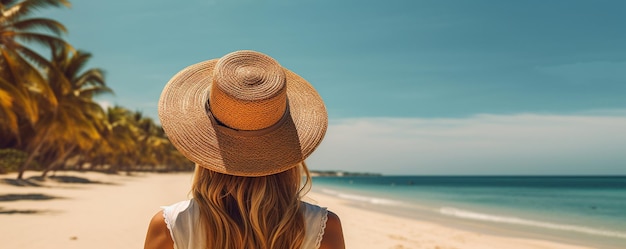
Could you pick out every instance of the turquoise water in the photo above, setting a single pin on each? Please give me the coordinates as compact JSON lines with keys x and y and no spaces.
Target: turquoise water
{"x":581,"y":210}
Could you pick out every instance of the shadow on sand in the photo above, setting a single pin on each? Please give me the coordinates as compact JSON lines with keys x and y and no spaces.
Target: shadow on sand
{"x":28,"y":197}
{"x":38,"y":181}
{"x":15,"y":211}
{"x":73,"y":179}
{"x":21,"y":182}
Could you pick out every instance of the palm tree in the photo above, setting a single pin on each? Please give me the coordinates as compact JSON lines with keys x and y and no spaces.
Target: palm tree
{"x":21,"y":68}
{"x":73,"y":123}
{"x":16,"y":72}
{"x":147,"y":139}
{"x":131,"y":139}
{"x":118,"y":143}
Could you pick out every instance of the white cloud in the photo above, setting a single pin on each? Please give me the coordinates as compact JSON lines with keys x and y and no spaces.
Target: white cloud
{"x":104,"y":104}
{"x":481,"y":144}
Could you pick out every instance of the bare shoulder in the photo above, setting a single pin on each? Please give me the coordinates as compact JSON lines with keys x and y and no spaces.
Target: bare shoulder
{"x":333,"y":234}
{"x":158,"y":236}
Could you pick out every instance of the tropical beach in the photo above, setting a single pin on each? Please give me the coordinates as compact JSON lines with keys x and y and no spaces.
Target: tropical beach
{"x":97,"y":210}
{"x":451,"y":124}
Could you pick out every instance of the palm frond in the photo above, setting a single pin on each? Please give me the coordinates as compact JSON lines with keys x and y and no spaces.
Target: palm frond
{"x":75,"y":114}
{"x":5,"y":98}
{"x":94,"y":76}
{"x":22,"y":103}
{"x":42,"y":39}
{"x":27,"y":7}
{"x":93,"y":110}
{"x":7,"y":2}
{"x":12,"y":68}
{"x":90,"y":92}
{"x":8,"y":117}
{"x":32,"y":56}
{"x":58,"y":82}
{"x":34,"y":80}
{"x":9,"y":11}
{"x":33,"y":24}
{"x":77,"y":62}
{"x":26,"y":78}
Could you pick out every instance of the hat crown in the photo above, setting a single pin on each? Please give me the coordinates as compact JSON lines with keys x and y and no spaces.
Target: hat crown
{"x":248,"y":91}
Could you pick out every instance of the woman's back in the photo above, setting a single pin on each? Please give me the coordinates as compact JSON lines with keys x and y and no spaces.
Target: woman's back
{"x":181,"y":220}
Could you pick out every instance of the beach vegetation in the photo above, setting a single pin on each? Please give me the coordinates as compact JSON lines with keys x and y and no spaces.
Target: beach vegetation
{"x":11,"y":159}
{"x":48,"y":114}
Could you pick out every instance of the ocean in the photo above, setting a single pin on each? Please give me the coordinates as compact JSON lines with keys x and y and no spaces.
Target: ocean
{"x":583,"y":210}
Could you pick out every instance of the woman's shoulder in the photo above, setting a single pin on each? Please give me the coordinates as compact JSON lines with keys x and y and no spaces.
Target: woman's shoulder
{"x":158,"y":236}
{"x":333,"y":233}
{"x":323,"y":227}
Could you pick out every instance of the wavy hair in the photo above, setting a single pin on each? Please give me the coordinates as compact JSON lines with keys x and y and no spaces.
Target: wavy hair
{"x":251,"y":212}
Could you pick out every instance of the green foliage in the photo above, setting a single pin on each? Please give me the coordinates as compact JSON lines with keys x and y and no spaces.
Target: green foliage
{"x":11,"y":159}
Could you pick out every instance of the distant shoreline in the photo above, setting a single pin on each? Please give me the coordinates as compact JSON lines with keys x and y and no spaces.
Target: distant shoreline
{"x":335,"y":173}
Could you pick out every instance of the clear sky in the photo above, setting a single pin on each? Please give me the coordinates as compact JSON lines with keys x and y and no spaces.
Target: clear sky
{"x":412,"y":87}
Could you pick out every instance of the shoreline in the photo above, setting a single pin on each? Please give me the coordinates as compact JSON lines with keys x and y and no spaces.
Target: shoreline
{"x":450,"y":210}
{"x":377,"y":229}
{"x":97,"y":210}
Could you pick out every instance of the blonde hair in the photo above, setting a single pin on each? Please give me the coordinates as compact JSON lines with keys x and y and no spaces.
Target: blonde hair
{"x":251,"y":212}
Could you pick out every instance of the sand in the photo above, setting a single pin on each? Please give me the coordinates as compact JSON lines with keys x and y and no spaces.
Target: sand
{"x":95,"y":210}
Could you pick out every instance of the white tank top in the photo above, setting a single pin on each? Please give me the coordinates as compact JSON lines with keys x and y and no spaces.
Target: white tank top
{"x":182,"y":221}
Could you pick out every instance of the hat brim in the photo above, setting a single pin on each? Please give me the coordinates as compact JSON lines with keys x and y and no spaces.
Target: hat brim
{"x":199,"y":137}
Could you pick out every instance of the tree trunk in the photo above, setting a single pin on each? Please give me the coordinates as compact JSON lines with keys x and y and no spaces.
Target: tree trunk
{"x":31,"y":156}
{"x":58,"y":161}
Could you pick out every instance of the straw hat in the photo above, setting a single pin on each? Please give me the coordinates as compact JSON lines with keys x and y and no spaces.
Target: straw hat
{"x":242,"y":114}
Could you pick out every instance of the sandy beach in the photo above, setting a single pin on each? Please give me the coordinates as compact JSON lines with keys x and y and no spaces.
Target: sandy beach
{"x":95,"y":210}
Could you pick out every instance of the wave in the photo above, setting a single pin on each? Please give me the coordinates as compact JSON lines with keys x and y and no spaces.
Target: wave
{"x":361,"y":198}
{"x":518,"y":221}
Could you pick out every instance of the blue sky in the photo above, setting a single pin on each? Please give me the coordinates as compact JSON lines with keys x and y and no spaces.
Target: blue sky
{"x":412,"y":87}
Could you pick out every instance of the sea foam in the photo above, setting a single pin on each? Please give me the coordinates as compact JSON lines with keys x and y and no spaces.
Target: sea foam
{"x":361,"y":198}
{"x":464,"y":214}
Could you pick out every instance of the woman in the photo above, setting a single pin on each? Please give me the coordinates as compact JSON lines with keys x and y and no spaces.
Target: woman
{"x":248,"y":124}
